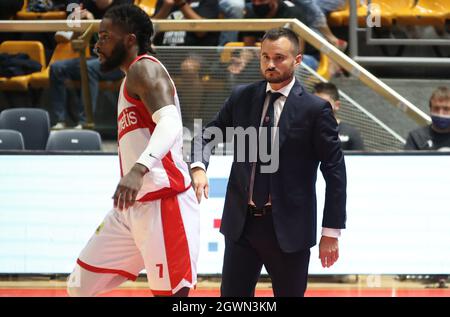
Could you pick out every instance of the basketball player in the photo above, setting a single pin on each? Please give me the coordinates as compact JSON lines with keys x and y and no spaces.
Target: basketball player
{"x":155,"y":220}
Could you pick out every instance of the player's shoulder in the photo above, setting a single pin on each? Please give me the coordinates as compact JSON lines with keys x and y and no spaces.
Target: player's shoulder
{"x":146,"y":67}
{"x":145,"y":62}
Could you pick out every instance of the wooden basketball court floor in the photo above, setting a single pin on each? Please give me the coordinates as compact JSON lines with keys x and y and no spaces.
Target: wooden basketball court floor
{"x":352,"y":286}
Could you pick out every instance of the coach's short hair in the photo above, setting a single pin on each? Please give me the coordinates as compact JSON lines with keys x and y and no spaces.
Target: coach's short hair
{"x":275,"y":34}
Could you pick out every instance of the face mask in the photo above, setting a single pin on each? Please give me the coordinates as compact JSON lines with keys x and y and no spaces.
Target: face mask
{"x":441,"y":122}
{"x":261,"y":10}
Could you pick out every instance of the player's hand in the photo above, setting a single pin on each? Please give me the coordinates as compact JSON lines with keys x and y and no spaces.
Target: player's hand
{"x":128,"y":188}
{"x":328,"y":251}
{"x":200,"y":182}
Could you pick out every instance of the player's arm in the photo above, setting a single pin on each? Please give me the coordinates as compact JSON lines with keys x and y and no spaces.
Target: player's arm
{"x":147,"y":81}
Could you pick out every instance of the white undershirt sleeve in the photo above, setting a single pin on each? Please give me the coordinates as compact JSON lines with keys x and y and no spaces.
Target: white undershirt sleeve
{"x":331,"y":232}
{"x":168,"y":127}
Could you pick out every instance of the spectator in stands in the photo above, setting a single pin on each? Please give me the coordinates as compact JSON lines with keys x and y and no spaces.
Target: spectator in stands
{"x":316,"y":19}
{"x":271,"y":9}
{"x":230,"y":9}
{"x":188,"y":77}
{"x":435,"y":136}
{"x":187,"y":9}
{"x":63,"y":70}
{"x":329,"y":6}
{"x":350,"y":137}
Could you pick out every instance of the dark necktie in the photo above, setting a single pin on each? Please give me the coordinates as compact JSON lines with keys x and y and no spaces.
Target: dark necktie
{"x":261,"y":185}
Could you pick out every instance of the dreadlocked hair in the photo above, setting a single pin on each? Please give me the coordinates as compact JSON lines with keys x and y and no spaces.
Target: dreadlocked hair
{"x":133,"y":20}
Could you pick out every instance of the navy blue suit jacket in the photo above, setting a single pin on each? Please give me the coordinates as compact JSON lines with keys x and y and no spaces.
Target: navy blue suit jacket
{"x":308,"y":136}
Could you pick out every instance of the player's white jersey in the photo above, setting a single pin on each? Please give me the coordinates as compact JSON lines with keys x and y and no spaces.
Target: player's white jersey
{"x":169,"y":176}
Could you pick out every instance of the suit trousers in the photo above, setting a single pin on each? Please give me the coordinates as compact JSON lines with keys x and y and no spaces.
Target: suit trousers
{"x":258,"y":246}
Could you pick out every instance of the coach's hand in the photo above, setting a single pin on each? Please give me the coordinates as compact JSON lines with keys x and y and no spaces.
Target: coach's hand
{"x":129,"y":186}
{"x":200,"y":182}
{"x":328,"y":251}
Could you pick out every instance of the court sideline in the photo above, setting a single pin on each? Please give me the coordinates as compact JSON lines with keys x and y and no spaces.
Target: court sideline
{"x":352,"y":286}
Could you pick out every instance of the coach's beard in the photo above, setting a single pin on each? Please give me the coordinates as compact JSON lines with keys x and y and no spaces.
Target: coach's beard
{"x":277,"y":79}
{"x":115,"y":60}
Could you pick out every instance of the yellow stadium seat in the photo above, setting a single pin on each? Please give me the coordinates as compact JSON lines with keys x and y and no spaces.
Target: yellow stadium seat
{"x":395,"y":6}
{"x":341,"y":17}
{"x":35,"y":51}
{"x":23,"y":14}
{"x":446,"y":4}
{"x":336,"y":18}
{"x":229,"y":47}
{"x":388,"y":10}
{"x":148,"y":6}
{"x":324,"y":67}
{"x":425,"y":12}
{"x":62,"y":51}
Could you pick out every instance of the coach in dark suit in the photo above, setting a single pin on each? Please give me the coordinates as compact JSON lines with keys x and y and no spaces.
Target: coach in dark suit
{"x":270,"y":219}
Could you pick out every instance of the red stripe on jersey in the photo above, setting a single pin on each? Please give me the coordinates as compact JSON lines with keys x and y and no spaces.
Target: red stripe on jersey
{"x":141,"y":57}
{"x":141,"y":108}
{"x":132,"y":118}
{"x":176,"y":178}
{"x":104,"y":270}
{"x":162,"y":193}
{"x":130,"y":99}
{"x":161,"y":293}
{"x":175,"y":241}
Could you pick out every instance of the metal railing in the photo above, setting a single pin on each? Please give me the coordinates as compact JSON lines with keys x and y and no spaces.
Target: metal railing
{"x":244,"y":25}
{"x":377,"y":135}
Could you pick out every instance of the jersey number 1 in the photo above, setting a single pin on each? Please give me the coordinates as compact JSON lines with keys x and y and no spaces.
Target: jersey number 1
{"x":160,"y":267}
